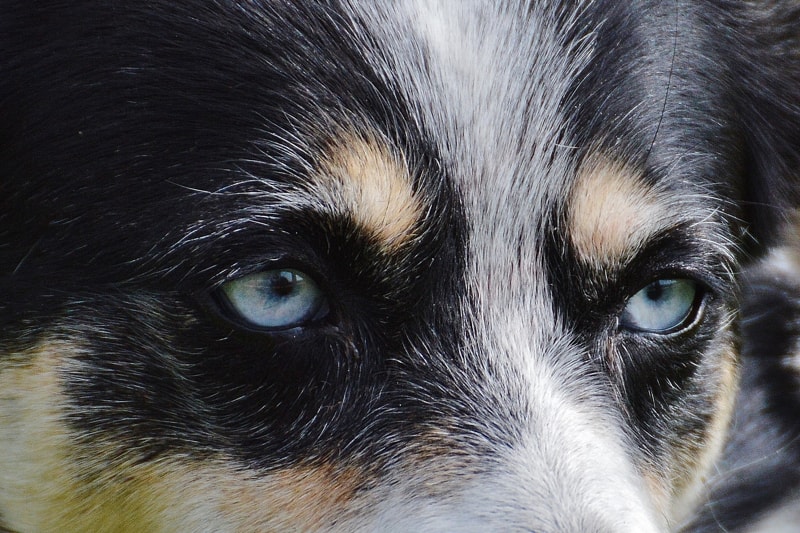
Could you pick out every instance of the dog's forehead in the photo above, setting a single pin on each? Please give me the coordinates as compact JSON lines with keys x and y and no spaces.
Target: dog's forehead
{"x":381,"y":107}
{"x":500,"y":90}
{"x":497,"y":124}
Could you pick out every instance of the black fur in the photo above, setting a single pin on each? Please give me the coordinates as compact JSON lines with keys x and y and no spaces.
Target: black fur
{"x":158,"y":124}
{"x":761,"y":466}
{"x":129,"y":136}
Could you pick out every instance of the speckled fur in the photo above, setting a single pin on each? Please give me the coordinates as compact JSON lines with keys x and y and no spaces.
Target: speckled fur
{"x":478,"y":189}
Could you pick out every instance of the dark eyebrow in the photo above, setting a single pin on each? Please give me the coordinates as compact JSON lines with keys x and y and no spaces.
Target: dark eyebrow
{"x":702,"y":250}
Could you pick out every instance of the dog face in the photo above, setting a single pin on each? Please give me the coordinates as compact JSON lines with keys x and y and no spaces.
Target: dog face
{"x":376,"y":266}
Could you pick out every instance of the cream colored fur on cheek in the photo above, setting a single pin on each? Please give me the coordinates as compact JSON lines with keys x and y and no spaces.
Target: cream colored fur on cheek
{"x":47,"y":484}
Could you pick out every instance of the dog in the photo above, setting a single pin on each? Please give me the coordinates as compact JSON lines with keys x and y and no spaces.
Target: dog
{"x":341,"y":265}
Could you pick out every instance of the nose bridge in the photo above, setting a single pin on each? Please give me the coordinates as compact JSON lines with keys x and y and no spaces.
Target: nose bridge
{"x":575,"y":470}
{"x":537,"y":443}
{"x":575,"y":478}
{"x":561,"y":461}
{"x":554,"y":463}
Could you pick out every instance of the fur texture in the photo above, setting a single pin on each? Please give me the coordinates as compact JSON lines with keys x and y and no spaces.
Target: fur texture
{"x":465,"y":199}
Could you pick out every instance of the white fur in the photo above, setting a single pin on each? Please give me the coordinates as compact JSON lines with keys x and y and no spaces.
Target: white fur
{"x":570,"y":470}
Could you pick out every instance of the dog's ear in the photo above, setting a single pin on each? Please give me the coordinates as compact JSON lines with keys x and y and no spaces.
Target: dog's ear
{"x":767,"y":74}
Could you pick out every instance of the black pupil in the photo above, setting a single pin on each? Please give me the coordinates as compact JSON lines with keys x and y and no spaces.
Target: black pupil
{"x":283,"y":283}
{"x":655,"y":291}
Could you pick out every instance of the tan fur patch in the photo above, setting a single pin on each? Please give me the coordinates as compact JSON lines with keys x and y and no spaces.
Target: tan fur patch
{"x":309,"y":498}
{"x":678,"y":488}
{"x":41,"y":488}
{"x":368,"y":180}
{"x":612,"y":212}
{"x":48,"y":484}
{"x":698,"y":459}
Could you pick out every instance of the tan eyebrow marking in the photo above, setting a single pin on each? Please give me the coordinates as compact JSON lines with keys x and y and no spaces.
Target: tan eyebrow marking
{"x":367,"y":179}
{"x":611,"y":212}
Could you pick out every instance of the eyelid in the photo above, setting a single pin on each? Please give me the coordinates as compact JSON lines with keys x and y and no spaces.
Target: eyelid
{"x":676,"y":254}
{"x":282,"y":261}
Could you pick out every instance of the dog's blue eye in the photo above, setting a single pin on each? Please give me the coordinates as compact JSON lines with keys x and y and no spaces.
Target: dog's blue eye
{"x":661,"y":307}
{"x":275,"y":299}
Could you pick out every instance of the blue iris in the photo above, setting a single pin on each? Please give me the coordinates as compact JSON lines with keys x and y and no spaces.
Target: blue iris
{"x":275,"y":299}
{"x":660,"y":307}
